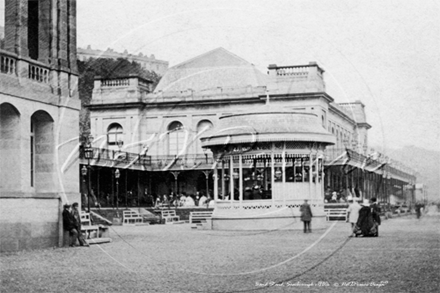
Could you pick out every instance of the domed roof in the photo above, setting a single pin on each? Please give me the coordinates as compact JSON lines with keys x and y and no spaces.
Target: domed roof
{"x":216,"y":68}
{"x":268,"y":125}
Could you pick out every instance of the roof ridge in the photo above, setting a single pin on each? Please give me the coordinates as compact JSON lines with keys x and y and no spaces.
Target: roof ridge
{"x":208,"y":53}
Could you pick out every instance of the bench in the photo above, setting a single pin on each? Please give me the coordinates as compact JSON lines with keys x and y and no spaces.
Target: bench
{"x":199,"y":216}
{"x":336,"y":214}
{"x":131,"y":217}
{"x":169,"y":216}
{"x":91,"y":231}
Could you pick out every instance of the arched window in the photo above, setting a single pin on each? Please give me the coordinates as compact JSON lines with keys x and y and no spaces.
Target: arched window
{"x":115,"y":133}
{"x":176,"y":137}
{"x":203,"y":126}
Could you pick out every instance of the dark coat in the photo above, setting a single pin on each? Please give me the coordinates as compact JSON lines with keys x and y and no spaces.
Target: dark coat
{"x":68,"y":220}
{"x":366,"y":222}
{"x":306,"y":212}
{"x":376,"y":213}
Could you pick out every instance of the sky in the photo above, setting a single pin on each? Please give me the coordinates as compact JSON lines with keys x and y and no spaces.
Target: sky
{"x":384,"y":53}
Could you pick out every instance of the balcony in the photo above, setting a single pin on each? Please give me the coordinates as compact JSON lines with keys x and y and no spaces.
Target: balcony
{"x":118,"y":159}
{"x":126,"y":160}
{"x":12,"y":65}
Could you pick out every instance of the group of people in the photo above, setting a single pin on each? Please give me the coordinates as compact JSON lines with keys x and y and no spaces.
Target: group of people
{"x":72,"y":224}
{"x":184,"y":200}
{"x":365,"y":218}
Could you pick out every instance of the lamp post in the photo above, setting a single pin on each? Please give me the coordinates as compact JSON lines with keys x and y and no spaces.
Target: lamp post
{"x":88,"y":154}
{"x":84,"y":174}
{"x":117,"y":174}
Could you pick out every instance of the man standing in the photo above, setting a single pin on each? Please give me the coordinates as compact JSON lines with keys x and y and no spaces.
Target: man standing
{"x":353,"y":213}
{"x":306,"y":216}
{"x":69,"y":224}
{"x":375,"y":209}
{"x":77,"y":217}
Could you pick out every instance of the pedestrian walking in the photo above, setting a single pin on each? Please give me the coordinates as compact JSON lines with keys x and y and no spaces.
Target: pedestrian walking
{"x":306,"y":216}
{"x":69,"y":225}
{"x":419,"y":207}
{"x":353,"y":213}
{"x":366,"y":226}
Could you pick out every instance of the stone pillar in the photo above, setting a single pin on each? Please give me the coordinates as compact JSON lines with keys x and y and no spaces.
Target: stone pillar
{"x":16,"y":29}
{"x":63,"y":37}
{"x":44,"y":30}
{"x":216,"y":182}
{"x":72,"y":36}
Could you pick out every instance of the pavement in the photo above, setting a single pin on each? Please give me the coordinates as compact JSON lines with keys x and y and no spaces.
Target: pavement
{"x":175,"y":258}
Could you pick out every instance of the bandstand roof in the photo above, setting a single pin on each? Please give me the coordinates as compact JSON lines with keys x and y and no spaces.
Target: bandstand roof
{"x":268,"y":125}
{"x":218,"y":68}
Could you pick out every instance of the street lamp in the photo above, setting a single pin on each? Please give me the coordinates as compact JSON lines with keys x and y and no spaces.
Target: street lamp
{"x":84,"y":173}
{"x":88,"y":154}
{"x":117,"y":175}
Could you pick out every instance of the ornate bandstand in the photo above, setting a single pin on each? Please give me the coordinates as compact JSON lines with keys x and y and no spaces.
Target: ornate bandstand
{"x":266,"y":164}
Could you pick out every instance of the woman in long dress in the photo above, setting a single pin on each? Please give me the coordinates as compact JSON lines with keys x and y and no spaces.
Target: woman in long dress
{"x":366,"y":226}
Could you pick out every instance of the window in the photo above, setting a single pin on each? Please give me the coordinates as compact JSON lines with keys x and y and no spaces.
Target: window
{"x":203,"y":126}
{"x":176,"y":137}
{"x":33,"y":27}
{"x":115,"y":133}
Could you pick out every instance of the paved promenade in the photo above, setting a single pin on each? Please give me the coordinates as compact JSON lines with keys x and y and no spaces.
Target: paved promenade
{"x":174,"y":258}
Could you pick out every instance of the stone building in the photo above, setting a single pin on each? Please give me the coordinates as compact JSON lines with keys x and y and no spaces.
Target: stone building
{"x":39,"y":112}
{"x":154,"y":137}
{"x":148,"y":63}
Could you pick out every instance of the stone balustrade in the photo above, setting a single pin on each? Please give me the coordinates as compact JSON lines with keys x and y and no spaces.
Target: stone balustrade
{"x":38,"y":73}
{"x":31,"y":69}
{"x":117,"y":82}
{"x":8,"y":64}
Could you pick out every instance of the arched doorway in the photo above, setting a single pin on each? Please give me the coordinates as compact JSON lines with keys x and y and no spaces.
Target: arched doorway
{"x":10,"y":155}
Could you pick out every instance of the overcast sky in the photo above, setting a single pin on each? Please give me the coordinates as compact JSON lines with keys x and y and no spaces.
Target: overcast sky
{"x":384,"y":53}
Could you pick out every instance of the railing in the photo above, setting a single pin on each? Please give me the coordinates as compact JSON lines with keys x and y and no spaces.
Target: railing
{"x":119,"y":157}
{"x":296,"y":70}
{"x":292,"y":70}
{"x":34,"y":70}
{"x":8,"y":64}
{"x":115,"y":82}
{"x":38,"y":73}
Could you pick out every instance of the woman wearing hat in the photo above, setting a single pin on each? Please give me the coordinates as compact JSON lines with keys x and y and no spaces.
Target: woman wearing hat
{"x":366,"y":224}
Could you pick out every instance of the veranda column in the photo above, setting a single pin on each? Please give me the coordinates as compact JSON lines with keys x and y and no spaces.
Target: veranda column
{"x":240,"y":183}
{"x":283,"y":169}
{"x":310,"y":174}
{"x":231,"y":177}
{"x":216,"y":182}
{"x":272,"y":177}
{"x":223,"y":179}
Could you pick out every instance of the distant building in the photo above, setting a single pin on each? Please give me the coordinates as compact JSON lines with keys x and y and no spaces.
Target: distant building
{"x":39,"y":117}
{"x":154,"y":137}
{"x":148,"y":63}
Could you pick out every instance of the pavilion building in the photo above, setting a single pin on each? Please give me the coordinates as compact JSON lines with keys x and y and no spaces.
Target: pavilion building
{"x":154,"y":137}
